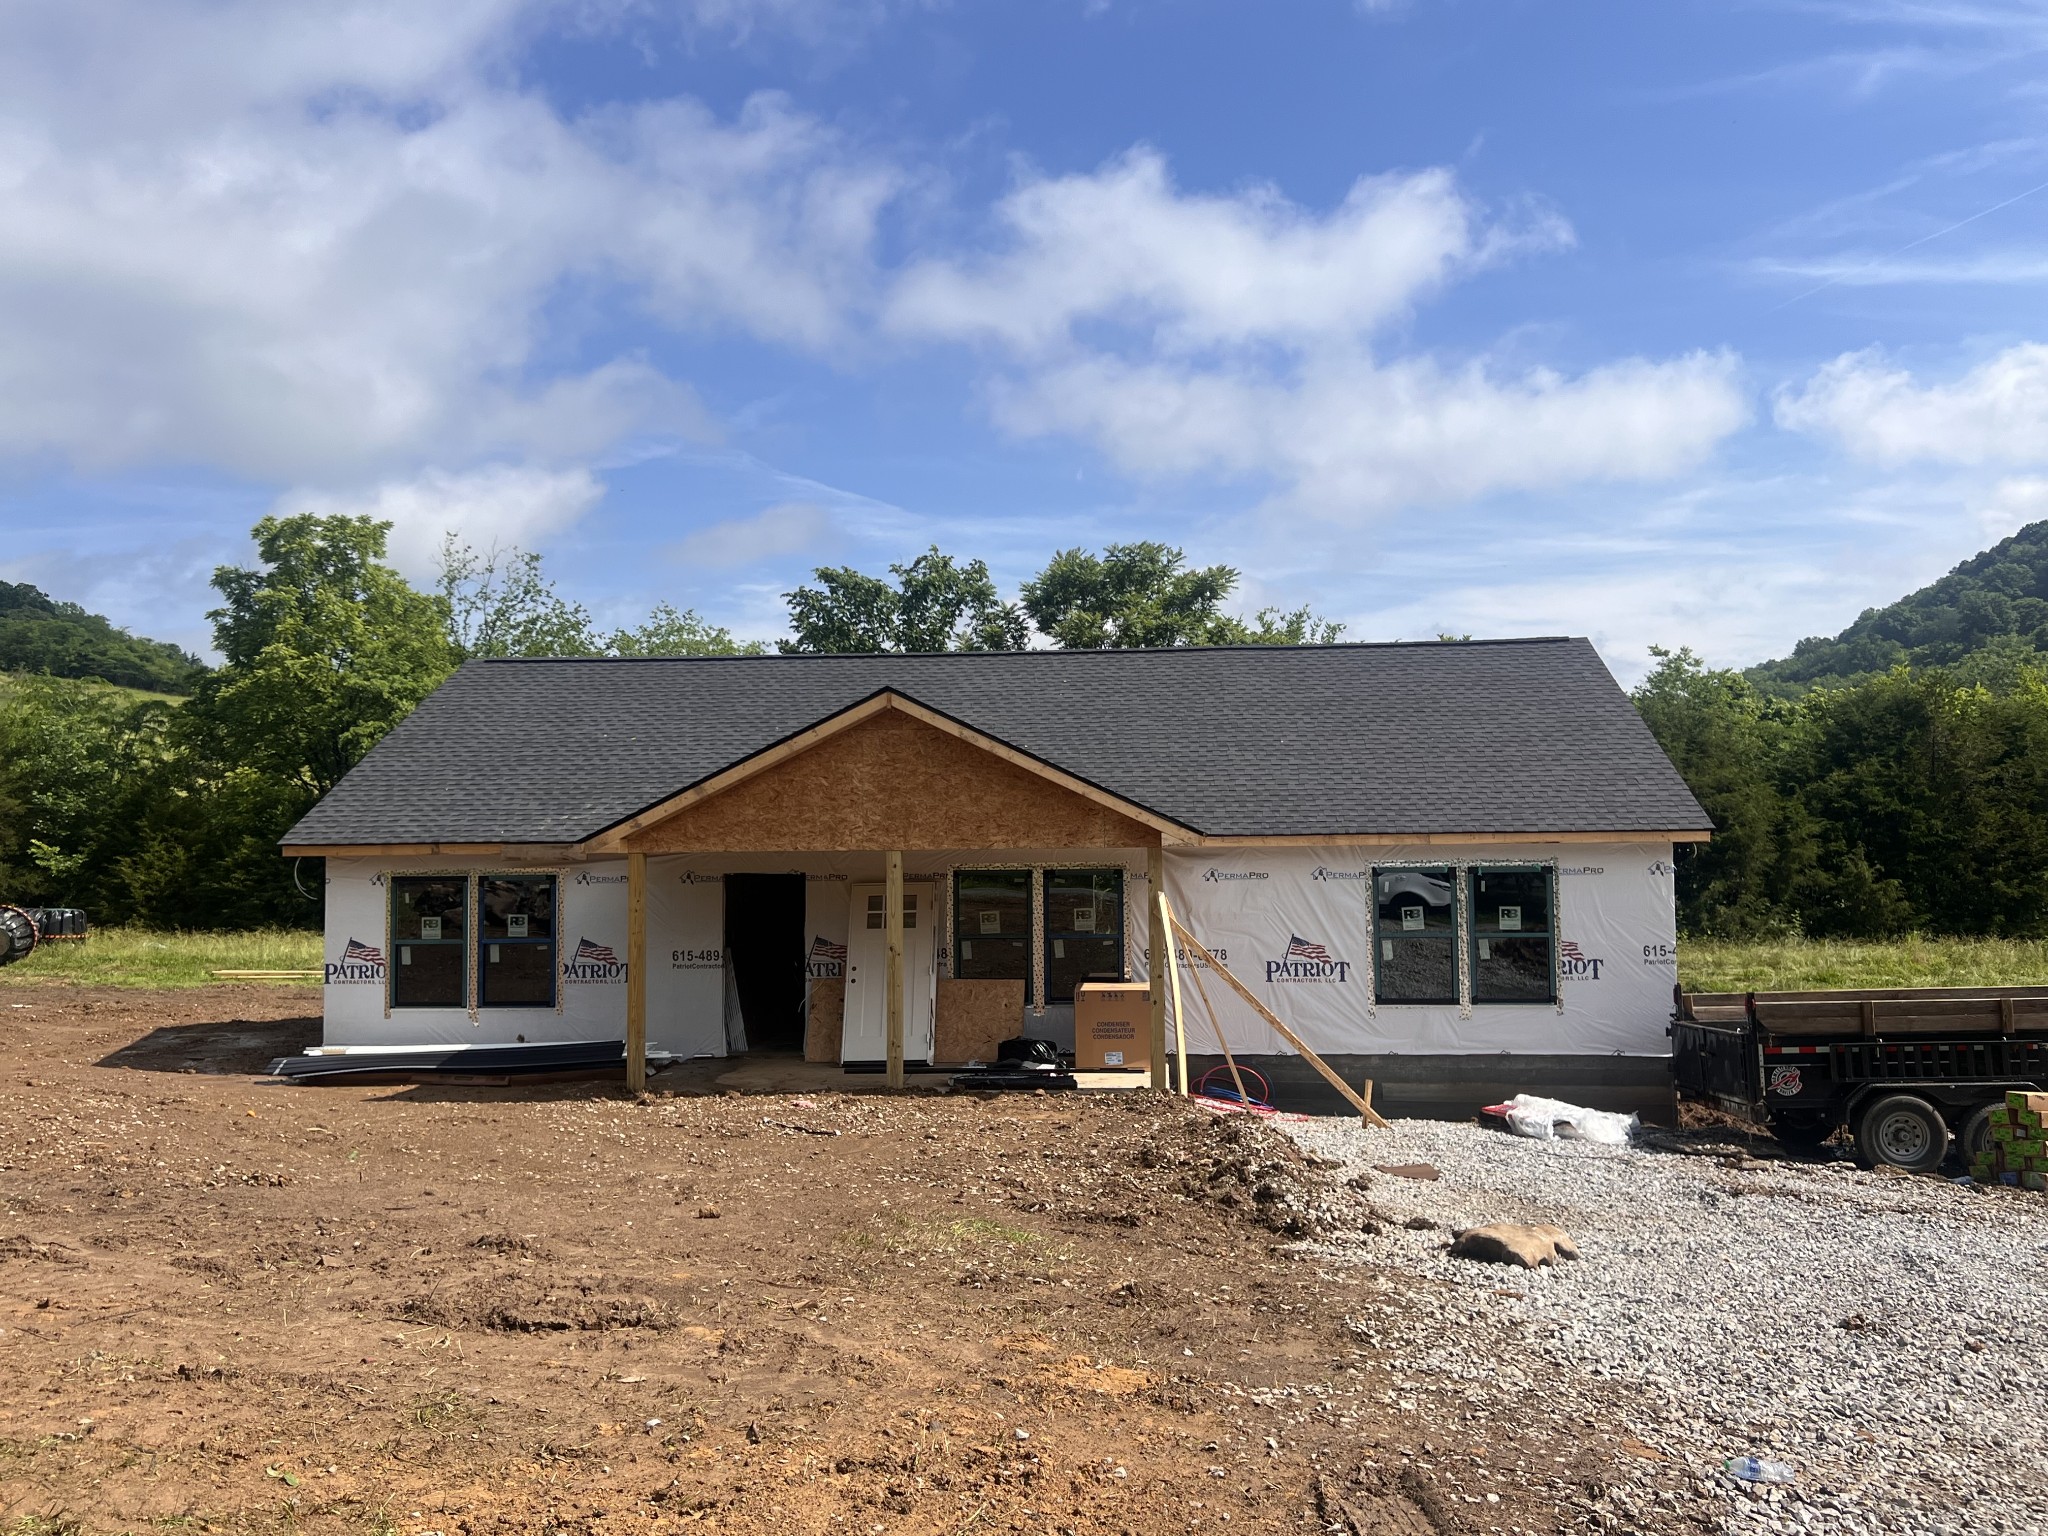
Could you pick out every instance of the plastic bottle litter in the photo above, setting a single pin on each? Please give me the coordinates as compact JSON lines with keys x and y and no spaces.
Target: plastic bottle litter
{"x":1752,"y":1469}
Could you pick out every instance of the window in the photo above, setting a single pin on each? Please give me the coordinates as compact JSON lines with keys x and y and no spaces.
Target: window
{"x":430,"y":932}
{"x":1084,"y":929}
{"x":1415,"y":924}
{"x":516,"y":941}
{"x":1511,"y":936}
{"x":992,"y":924}
{"x":878,"y":914}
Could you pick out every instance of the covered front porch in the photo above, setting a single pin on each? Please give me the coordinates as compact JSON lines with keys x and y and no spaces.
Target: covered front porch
{"x":888,"y":887}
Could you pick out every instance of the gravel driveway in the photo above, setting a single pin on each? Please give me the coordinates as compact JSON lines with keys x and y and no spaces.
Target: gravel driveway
{"x":1886,"y":1335}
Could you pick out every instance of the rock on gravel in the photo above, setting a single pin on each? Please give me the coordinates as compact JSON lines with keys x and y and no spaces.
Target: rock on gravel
{"x":1880,"y":1333}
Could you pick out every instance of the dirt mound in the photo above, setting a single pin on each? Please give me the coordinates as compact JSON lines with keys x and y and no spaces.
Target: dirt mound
{"x":517,"y":1305}
{"x":1246,"y":1166}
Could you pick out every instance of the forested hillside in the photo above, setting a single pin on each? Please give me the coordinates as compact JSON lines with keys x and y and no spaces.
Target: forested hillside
{"x":1995,"y":603}
{"x":40,"y":634}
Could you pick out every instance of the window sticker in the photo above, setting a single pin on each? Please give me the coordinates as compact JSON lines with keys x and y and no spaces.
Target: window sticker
{"x":1412,"y":919}
{"x":991,"y":922}
{"x":515,"y":925}
{"x":1059,"y":949}
{"x":1084,"y":919}
{"x":1510,"y":919}
{"x":430,"y":927}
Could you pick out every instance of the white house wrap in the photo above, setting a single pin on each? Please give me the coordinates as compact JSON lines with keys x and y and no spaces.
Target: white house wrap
{"x":1446,"y":866}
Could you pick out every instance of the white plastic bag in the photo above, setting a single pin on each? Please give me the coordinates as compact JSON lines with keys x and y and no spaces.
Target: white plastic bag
{"x":1546,"y":1118}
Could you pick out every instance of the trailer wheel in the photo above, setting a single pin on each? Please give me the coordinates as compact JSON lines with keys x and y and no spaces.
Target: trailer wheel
{"x":1975,"y":1138}
{"x":1904,"y":1131}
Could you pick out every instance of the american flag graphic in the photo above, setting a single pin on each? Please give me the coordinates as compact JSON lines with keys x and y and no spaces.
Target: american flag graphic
{"x":1299,"y":948}
{"x":1569,"y":950}
{"x":823,"y":948}
{"x":359,"y":953}
{"x":588,"y":953}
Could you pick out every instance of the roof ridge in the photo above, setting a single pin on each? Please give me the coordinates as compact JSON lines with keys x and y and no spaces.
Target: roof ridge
{"x":1106,"y":650}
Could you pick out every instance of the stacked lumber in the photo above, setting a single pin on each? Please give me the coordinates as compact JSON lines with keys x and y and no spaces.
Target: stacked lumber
{"x":2018,"y":1153}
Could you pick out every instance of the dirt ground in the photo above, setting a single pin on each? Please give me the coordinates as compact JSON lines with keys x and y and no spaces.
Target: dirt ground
{"x":229,"y":1305}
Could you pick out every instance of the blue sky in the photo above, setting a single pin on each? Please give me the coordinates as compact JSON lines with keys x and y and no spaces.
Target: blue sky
{"x":1685,"y":323}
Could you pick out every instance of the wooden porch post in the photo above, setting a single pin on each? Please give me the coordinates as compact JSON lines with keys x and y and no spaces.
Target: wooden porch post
{"x":1158,"y":960}
{"x":892,"y":922}
{"x":636,"y":972}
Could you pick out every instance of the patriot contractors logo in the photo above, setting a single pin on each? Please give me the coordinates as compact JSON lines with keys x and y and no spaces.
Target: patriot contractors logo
{"x":1236,"y":874}
{"x":1306,"y":961}
{"x":1320,"y":873}
{"x":585,"y":877}
{"x":593,"y":962}
{"x":1573,"y":965}
{"x":359,"y":963}
{"x":826,"y":959}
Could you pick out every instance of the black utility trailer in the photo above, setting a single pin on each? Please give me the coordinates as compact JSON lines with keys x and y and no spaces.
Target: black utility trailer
{"x":1909,"y":1071}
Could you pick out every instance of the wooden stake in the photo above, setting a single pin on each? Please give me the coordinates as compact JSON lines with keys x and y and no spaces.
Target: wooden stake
{"x":1158,"y":961}
{"x":636,"y":972}
{"x":892,"y":922}
{"x":1180,"y":1033}
{"x":1281,"y":1029}
{"x":1216,"y":1026}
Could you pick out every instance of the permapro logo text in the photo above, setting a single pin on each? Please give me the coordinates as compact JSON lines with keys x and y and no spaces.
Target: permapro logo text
{"x":359,"y":963}
{"x":1307,"y":961}
{"x":1236,"y":874}
{"x":1320,"y":873}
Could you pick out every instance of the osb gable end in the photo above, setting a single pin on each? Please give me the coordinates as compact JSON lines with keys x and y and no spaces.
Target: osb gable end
{"x":891,"y":781}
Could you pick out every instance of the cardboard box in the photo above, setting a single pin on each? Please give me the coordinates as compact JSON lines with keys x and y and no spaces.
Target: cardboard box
{"x":2036,"y":1103}
{"x":1112,"y":1025}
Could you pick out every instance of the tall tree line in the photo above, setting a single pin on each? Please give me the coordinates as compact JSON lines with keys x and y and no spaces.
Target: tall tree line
{"x":167,"y":812}
{"x":1915,"y":800}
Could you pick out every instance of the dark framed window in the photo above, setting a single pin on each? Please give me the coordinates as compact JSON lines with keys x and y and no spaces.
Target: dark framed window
{"x":430,"y":941}
{"x":1415,"y":933}
{"x":515,"y":939}
{"x":1084,"y":929}
{"x":1512,"y":935}
{"x":992,"y":925}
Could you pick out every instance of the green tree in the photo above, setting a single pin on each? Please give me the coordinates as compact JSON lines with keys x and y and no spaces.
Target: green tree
{"x":934,"y":604}
{"x":669,"y":632}
{"x":1725,"y":738}
{"x":1130,"y":595}
{"x":501,"y":603}
{"x":326,"y":649}
{"x":1143,"y":594}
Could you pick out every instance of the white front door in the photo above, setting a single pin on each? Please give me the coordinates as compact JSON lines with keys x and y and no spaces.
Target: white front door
{"x":865,"y":1036}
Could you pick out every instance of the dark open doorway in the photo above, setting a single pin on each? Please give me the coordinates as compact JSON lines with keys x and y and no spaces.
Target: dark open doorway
{"x":764,"y":944}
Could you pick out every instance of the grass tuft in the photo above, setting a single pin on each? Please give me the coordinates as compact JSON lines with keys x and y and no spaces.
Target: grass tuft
{"x":1804,"y":965}
{"x":147,"y":957}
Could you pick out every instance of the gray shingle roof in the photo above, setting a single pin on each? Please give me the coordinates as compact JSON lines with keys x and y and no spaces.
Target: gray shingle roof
{"x":1485,"y":736}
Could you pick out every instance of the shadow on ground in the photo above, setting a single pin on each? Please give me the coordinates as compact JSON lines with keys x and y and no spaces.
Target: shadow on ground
{"x":234,"y":1047}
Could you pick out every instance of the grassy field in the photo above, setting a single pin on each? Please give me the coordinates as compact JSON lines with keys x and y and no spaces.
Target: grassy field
{"x":1799,"y":965}
{"x":140,"y":957}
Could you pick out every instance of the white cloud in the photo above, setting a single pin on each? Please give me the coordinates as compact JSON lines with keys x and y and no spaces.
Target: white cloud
{"x":1186,"y":333}
{"x":316,"y":242}
{"x":788,"y":528}
{"x":1348,"y":433}
{"x":499,"y":504}
{"x":1124,"y":246}
{"x":2013,"y":504}
{"x":1997,"y":413}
